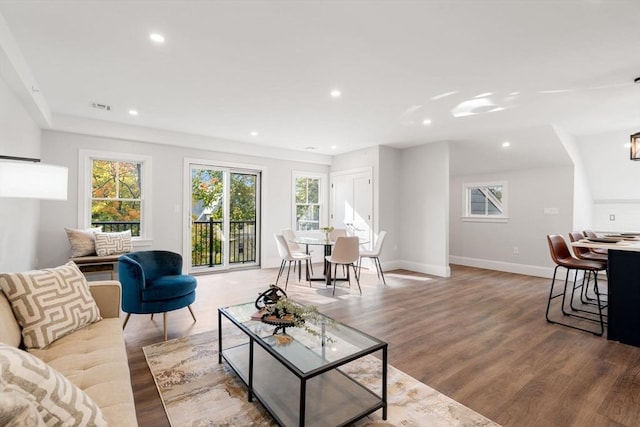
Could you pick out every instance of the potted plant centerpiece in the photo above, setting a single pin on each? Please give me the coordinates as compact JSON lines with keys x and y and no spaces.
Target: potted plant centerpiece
{"x":278,"y":310}
{"x":326,"y":230}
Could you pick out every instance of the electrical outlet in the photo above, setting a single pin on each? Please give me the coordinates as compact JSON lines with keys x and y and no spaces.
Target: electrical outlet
{"x":612,"y":217}
{"x":516,"y":251}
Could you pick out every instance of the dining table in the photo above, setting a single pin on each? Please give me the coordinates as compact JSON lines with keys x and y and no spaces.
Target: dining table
{"x":328,"y":244}
{"x":623,"y":284}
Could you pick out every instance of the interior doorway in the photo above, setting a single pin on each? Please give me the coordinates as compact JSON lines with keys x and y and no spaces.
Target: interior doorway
{"x":351,"y":204}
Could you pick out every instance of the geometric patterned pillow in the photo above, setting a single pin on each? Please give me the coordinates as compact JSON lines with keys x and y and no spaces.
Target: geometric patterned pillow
{"x":16,"y":410}
{"x":82,"y":242}
{"x":113,"y":243}
{"x":57,"y":400}
{"x":49,"y":304}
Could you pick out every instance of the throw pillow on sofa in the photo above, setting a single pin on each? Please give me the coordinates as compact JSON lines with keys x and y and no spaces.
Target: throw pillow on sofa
{"x":57,"y":400}
{"x":49,"y":304}
{"x":18,"y":411}
{"x":82,"y":242}
{"x":113,"y":243}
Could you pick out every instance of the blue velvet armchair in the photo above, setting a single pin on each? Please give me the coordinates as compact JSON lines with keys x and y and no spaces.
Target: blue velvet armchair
{"x":152,"y":282}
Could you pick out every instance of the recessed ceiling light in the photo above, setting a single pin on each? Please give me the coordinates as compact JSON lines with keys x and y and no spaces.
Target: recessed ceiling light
{"x":514,"y":93}
{"x":426,"y":122}
{"x":133,"y":112}
{"x":333,"y":147}
{"x":254,"y":133}
{"x":158,"y":38}
{"x":309,"y":148}
{"x":483,"y":95}
{"x":506,"y":144}
{"x":336,"y":93}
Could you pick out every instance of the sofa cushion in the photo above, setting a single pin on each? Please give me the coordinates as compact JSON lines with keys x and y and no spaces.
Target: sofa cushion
{"x":82,"y":242}
{"x":49,"y":304}
{"x":94,"y":358}
{"x":10,"y":330}
{"x":113,"y":243}
{"x":16,"y":410}
{"x":169,"y":287}
{"x":59,"y":402}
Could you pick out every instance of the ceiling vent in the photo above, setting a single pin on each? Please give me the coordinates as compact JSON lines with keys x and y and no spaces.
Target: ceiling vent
{"x":99,"y":106}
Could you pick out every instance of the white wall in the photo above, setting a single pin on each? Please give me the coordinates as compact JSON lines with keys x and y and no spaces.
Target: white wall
{"x":614,"y":181}
{"x":424,"y":206}
{"x":491,"y":245}
{"x":19,"y":137}
{"x":582,"y":200}
{"x":167,"y":177}
{"x":389,"y":212}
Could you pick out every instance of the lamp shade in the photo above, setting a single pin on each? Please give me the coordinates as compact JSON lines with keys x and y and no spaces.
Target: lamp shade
{"x":33,"y":180}
{"x":635,"y":146}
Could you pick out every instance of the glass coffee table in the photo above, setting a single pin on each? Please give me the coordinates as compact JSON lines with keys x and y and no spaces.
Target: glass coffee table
{"x":300,"y":381}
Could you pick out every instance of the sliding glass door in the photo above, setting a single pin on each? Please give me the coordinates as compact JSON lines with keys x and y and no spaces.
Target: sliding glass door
{"x":225,"y":209}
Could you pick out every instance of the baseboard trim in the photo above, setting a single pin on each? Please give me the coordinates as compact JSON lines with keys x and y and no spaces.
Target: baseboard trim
{"x":529,"y":270}
{"x":435,"y":270}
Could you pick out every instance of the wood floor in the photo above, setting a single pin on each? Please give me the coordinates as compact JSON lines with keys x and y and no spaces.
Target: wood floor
{"x":479,"y":337}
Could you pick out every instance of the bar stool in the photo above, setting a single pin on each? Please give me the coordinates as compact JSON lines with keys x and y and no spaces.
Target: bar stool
{"x":562,"y":258}
{"x":587,"y":254}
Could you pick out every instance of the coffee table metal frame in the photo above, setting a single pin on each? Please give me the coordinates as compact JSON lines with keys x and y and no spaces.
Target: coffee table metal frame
{"x":328,"y":368}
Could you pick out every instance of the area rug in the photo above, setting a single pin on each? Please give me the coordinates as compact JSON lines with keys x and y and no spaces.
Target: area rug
{"x":197,"y":391}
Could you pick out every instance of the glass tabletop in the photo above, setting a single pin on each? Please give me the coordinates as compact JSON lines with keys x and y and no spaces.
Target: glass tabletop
{"x":321,"y":343}
{"x":311,"y":240}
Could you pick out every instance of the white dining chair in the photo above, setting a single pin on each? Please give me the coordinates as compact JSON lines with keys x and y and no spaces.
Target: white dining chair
{"x":287,"y":256}
{"x":374,"y":255}
{"x":295,"y":248}
{"x":345,"y":252}
{"x":337,"y":232}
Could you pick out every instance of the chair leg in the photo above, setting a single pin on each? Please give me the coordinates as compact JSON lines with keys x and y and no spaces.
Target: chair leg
{"x":381,"y":272}
{"x":282,"y":264}
{"x":335,"y":272}
{"x":357,"y":278}
{"x":600,"y":315}
{"x":151,"y":316}
{"x":126,"y":319}
{"x":288,"y":271}
{"x":192,"y":315}
{"x":164,"y":321}
{"x":308,"y":276}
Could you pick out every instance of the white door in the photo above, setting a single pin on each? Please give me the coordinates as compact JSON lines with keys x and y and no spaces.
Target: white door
{"x":352,"y":203}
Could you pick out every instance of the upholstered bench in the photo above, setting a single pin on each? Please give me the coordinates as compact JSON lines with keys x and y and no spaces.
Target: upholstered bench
{"x":97,"y":264}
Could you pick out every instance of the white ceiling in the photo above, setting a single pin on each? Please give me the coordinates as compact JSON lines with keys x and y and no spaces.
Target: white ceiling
{"x":228,"y":68}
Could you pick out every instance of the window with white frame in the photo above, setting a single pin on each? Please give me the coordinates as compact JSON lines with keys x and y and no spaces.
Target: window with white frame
{"x":115,"y":192}
{"x":485,"y":201}
{"x":308,"y":191}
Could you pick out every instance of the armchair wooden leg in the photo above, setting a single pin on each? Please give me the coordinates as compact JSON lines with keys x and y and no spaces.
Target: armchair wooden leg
{"x":126,"y":319}
{"x":164,"y":320}
{"x":151,"y":316}
{"x":192,"y":315}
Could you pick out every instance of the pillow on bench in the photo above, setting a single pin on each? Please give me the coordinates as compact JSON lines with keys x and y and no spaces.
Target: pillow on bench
{"x":113,"y":243}
{"x":83,"y":242}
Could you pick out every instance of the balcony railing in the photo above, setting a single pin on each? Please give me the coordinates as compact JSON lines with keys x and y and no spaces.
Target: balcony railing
{"x":207,"y":243}
{"x":115,"y":226}
{"x":206,"y":240}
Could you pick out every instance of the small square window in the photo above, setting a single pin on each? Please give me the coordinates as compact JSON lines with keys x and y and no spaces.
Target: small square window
{"x":485,"y":201}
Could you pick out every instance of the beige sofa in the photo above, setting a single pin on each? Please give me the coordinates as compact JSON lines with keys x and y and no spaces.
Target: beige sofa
{"x":93,"y":358}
